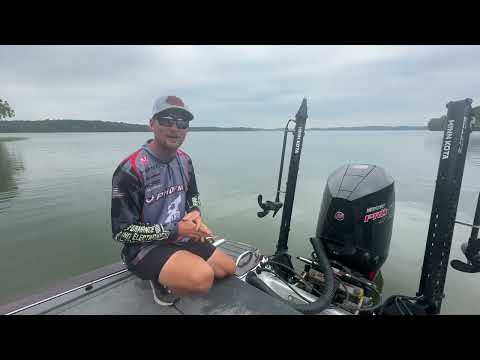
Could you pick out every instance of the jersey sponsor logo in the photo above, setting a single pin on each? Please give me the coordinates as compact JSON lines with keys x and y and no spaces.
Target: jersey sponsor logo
{"x":116,"y":193}
{"x":174,"y":210}
{"x":156,"y":185}
{"x":154,"y":167}
{"x":169,"y":191}
{"x":159,"y":228}
{"x":195,"y":201}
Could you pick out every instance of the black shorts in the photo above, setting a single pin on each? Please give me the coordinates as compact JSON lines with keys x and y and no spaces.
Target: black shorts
{"x":150,"y":266}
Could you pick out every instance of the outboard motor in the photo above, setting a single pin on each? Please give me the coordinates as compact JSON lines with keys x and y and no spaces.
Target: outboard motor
{"x":356,"y":217}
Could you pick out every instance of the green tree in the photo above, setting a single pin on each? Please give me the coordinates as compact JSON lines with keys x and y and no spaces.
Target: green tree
{"x":476,"y":113}
{"x":5,"y":110}
{"x":437,"y":124}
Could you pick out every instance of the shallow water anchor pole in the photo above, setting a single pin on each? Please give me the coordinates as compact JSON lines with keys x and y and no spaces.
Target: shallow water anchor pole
{"x":298,"y":133}
{"x":444,"y":207}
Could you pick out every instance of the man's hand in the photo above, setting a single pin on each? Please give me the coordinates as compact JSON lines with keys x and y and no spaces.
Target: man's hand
{"x":189,"y":228}
{"x":200,"y":229}
{"x":205,"y":232}
{"x":192,"y":216}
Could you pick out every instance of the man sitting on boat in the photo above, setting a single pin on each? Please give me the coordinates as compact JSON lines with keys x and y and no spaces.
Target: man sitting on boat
{"x":156,"y":212}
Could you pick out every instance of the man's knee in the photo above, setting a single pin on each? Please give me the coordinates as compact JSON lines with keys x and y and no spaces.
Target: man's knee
{"x":230,"y":267}
{"x":223,"y":265}
{"x":201,"y":279}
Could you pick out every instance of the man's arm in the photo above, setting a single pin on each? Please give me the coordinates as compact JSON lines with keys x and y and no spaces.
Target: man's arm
{"x":192,"y":196}
{"x":193,"y":207}
{"x":126,"y":213}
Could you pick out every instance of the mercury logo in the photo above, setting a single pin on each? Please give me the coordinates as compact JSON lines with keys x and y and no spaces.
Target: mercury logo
{"x":376,"y":215}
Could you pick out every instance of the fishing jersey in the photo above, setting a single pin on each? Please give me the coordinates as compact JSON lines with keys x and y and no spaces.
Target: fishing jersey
{"x":149,"y":198}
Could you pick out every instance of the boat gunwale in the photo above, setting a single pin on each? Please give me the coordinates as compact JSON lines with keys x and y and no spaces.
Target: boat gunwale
{"x":63,"y":286}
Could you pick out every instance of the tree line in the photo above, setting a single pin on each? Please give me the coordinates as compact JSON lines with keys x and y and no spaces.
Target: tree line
{"x":438,"y":124}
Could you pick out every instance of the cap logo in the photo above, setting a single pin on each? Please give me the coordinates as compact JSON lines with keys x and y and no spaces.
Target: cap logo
{"x":175,"y":101}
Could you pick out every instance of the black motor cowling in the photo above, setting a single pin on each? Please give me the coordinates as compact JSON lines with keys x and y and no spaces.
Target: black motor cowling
{"x":356,"y":217}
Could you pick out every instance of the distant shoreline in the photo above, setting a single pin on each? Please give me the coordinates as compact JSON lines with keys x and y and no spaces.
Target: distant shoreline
{"x":69,"y":126}
{"x":5,"y":139}
{"x":374,"y":128}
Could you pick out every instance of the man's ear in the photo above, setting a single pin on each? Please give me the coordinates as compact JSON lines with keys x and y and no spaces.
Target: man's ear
{"x":151,"y":124}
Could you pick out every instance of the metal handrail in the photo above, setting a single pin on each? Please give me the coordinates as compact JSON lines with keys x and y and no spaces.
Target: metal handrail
{"x":66,"y":292}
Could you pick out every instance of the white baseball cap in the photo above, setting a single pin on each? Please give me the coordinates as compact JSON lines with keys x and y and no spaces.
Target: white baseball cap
{"x":171,"y":102}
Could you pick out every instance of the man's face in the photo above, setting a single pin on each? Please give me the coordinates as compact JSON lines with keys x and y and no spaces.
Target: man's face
{"x":168,"y":136}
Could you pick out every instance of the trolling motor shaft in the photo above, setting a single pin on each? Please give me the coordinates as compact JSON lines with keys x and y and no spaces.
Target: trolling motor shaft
{"x":276,"y":205}
{"x":281,"y":254}
{"x":472,"y":248}
{"x":298,"y":131}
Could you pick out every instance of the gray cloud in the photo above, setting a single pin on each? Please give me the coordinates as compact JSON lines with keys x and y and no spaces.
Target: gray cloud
{"x":258,"y":86}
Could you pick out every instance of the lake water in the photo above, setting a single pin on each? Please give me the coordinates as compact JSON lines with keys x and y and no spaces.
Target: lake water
{"x":55,"y":200}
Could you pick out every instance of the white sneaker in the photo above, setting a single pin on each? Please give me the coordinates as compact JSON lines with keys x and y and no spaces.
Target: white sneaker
{"x":162,"y":295}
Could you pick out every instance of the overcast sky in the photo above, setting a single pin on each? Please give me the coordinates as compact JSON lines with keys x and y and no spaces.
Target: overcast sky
{"x":258,"y":86}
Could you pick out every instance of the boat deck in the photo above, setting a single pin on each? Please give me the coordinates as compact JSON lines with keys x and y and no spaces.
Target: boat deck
{"x":113,"y":290}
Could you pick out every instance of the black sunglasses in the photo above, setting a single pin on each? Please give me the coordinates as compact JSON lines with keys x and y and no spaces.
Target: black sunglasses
{"x":169,"y":121}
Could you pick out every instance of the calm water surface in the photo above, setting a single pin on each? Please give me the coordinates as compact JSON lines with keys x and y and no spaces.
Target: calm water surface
{"x":55,"y":199}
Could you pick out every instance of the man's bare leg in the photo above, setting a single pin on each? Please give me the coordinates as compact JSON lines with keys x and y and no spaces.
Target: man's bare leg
{"x":222,"y":264}
{"x":185,"y":273}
